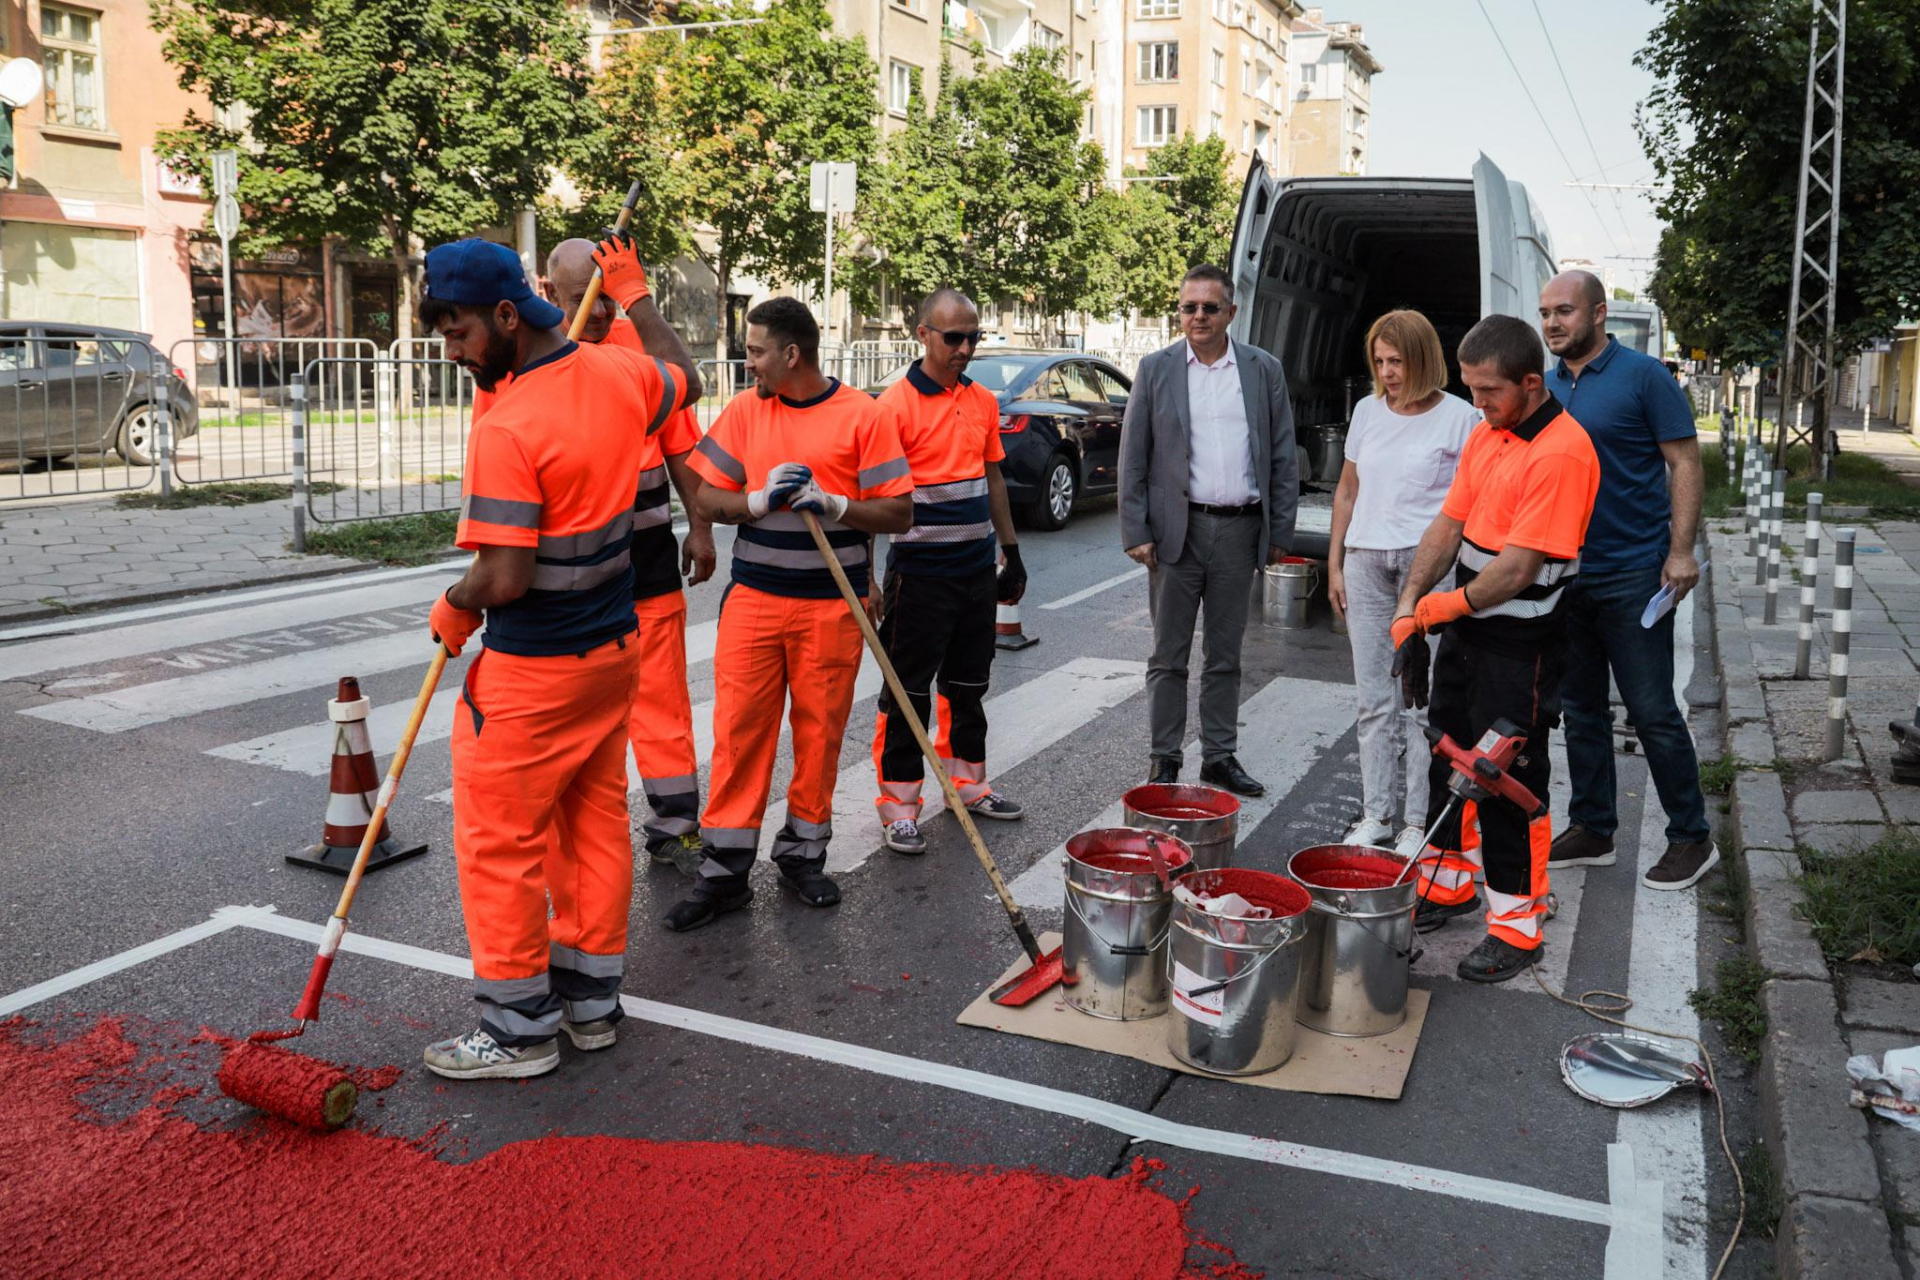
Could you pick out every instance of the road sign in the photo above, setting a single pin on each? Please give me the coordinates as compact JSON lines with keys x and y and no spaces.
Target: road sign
{"x":226,"y":172}
{"x":226,"y":217}
{"x":831,"y":179}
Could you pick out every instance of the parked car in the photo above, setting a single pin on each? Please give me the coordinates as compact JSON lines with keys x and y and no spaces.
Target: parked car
{"x":1059,"y":423}
{"x":72,"y":389}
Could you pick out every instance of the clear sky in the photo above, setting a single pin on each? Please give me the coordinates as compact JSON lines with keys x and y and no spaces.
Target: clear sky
{"x":1448,"y":94}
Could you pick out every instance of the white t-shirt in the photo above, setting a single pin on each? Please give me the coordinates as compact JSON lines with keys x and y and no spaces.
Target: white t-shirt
{"x":1406,"y":463}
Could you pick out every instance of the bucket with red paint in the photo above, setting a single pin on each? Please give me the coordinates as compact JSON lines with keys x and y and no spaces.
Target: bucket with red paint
{"x":1358,"y":951}
{"x":1235,"y":974}
{"x":1113,"y":944}
{"x":1206,"y":818}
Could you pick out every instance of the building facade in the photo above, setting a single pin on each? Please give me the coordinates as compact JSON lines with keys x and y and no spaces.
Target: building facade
{"x":1332,"y":96}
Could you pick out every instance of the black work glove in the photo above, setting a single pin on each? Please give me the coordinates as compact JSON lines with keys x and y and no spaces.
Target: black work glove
{"x":1012,"y":582}
{"x":1411,"y":667}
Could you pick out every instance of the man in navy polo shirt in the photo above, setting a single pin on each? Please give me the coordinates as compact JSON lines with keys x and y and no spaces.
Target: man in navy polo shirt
{"x":1640,"y":540}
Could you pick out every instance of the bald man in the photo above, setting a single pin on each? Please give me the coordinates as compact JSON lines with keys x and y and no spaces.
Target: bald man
{"x":1639,"y":542}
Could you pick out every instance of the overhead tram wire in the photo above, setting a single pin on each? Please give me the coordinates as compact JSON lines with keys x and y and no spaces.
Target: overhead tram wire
{"x":1580,"y":116}
{"x":1542,"y":117}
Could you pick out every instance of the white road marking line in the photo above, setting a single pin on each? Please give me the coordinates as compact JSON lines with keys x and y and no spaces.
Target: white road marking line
{"x":1285,"y":729}
{"x":162,"y":700}
{"x":1139,"y":1125}
{"x":221,"y":921}
{"x":1087,"y":593}
{"x":1634,"y":1245}
{"x":1021,"y":723}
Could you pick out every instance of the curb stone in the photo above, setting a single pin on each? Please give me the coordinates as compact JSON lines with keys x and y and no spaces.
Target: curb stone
{"x":1822,"y":1238}
{"x":1803,"y":1091}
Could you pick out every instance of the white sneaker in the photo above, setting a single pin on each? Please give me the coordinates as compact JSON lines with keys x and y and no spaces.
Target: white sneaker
{"x":478,"y":1056}
{"x":1412,"y":842}
{"x":1368,"y":831}
{"x":903,"y":836}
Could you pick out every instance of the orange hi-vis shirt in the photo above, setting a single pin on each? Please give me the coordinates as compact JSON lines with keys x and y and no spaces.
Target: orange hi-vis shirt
{"x":1532,"y":487}
{"x":551,"y":466}
{"x":950,"y":435}
{"x":852,"y":443}
{"x":656,"y":557}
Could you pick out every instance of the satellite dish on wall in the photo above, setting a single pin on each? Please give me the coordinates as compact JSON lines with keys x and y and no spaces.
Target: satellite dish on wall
{"x":20,"y":82}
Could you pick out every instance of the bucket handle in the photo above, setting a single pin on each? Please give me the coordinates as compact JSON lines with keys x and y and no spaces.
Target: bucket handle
{"x":1149,"y":949}
{"x":1247,"y":972}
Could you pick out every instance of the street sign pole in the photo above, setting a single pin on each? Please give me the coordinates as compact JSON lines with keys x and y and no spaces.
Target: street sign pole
{"x":831,"y":188}
{"x":226,"y":224}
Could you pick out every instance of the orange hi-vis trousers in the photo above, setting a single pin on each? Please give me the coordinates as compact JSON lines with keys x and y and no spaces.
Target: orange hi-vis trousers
{"x":770,"y":649}
{"x":539,"y":817}
{"x":661,"y":729}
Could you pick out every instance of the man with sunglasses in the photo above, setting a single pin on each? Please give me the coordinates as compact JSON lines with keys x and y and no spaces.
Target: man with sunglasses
{"x":938,"y":609}
{"x":1208,"y":489}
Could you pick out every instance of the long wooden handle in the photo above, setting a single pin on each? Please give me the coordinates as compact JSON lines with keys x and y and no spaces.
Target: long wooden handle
{"x":912,"y":717}
{"x":392,"y":784}
{"x":592,"y":295}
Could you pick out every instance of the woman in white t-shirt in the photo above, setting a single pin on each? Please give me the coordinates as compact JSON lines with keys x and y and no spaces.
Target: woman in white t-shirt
{"x":1402,"y":448}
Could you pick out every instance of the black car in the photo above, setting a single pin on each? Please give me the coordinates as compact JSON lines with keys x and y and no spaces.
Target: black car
{"x":68,"y":389}
{"x":1059,"y":423}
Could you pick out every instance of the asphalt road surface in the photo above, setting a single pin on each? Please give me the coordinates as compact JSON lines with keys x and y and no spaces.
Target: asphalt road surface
{"x":159,"y":763}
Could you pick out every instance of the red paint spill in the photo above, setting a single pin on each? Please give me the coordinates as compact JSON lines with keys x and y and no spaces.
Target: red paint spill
{"x":156,"y":1193}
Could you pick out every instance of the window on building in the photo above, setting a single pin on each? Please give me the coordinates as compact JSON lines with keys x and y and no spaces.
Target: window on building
{"x":1246,"y":77}
{"x":1160,"y":61}
{"x":1215,"y":125}
{"x":1219,"y":67}
{"x":70,"y":53}
{"x":1079,"y":67}
{"x":1220,"y":10}
{"x":899,"y":85}
{"x":1155,"y":126}
{"x":1246,"y":137}
{"x":1046,"y":37}
{"x":911,"y":6}
{"x":1158,"y":9}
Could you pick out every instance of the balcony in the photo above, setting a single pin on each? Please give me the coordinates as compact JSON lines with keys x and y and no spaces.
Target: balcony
{"x":1003,"y":26}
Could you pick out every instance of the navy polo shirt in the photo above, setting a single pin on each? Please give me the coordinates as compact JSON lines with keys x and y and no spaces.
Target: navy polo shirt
{"x":1630,"y":405}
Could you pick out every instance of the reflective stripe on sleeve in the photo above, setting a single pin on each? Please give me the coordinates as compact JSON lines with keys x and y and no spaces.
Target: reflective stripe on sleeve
{"x":502,"y":511}
{"x":728,"y":465}
{"x":882,"y":472}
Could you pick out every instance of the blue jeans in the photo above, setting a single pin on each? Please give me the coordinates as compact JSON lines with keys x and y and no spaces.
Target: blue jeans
{"x":1603,"y":629}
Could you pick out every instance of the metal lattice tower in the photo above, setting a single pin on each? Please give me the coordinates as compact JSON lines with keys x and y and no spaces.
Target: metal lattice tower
{"x":1816,"y":242}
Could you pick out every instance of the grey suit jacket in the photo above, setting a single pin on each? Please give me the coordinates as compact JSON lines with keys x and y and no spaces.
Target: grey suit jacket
{"x":1154,"y":450}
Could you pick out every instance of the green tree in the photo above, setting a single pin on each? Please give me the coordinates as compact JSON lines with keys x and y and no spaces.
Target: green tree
{"x":1178,"y":214}
{"x":912,"y":208}
{"x":387,"y":123}
{"x":1722,"y":128}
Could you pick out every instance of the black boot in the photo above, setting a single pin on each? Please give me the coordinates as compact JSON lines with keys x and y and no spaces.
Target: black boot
{"x":809,"y":882}
{"x":712,"y":897}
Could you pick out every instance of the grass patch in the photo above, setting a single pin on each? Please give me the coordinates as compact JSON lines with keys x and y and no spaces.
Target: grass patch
{"x":400,"y":540}
{"x":1716,"y":776}
{"x":1735,"y":1004}
{"x":1765,"y":1201}
{"x":223,"y":493}
{"x":1726,"y":895}
{"x":1867,"y":904}
{"x":1857,"y":481}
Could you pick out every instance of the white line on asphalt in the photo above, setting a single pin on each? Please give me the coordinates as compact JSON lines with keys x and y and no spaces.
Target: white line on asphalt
{"x":1285,"y":729}
{"x":1087,"y":593}
{"x":221,"y":921}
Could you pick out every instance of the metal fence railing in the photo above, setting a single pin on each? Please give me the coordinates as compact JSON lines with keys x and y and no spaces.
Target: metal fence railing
{"x":242,"y":388}
{"x":386,"y":438}
{"x":85,"y":414}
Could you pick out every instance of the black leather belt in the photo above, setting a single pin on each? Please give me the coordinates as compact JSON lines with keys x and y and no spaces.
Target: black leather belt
{"x":1215,"y":509}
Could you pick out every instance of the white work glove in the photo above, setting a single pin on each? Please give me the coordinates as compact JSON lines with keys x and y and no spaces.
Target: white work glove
{"x":783,"y":482}
{"x":813,"y":498}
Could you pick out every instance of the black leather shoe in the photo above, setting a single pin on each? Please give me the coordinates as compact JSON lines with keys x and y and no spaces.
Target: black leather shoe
{"x":1496,"y":960}
{"x":1226,"y":772}
{"x":810,"y":885}
{"x":1162,"y":771}
{"x":1429,"y":915}
{"x":709,"y":900}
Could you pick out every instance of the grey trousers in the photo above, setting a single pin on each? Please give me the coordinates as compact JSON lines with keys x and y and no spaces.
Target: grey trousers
{"x":1216,"y":566}
{"x":1393,"y":744}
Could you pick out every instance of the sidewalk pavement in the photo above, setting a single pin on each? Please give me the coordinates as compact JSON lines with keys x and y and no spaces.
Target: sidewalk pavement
{"x":60,"y":557}
{"x":1850,"y":1183}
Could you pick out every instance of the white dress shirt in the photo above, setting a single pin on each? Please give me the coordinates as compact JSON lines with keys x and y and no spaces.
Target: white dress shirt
{"x":1220,"y":450}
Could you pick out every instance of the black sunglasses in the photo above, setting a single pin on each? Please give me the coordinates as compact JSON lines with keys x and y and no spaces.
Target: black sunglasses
{"x":1210,"y":308}
{"x":961,"y":337}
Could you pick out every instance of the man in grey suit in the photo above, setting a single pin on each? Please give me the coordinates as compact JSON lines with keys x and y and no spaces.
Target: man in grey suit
{"x":1208,"y":489}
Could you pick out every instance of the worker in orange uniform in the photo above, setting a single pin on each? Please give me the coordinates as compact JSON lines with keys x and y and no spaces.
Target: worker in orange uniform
{"x":1514,"y":520}
{"x":937,"y":612}
{"x":661,"y":729}
{"x":540,"y":734}
{"x":796,"y":442}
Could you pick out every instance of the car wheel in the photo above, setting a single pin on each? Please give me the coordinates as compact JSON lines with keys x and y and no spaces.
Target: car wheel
{"x":1058,"y":488}
{"x":138,"y":437}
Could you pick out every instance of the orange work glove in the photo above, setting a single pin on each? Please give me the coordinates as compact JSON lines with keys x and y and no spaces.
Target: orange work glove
{"x":1438,"y":608}
{"x":621,"y":275}
{"x":453,"y":626}
{"x":1403,"y":630}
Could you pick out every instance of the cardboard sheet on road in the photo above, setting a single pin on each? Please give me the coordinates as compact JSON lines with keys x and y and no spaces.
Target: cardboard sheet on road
{"x":1374,"y":1067}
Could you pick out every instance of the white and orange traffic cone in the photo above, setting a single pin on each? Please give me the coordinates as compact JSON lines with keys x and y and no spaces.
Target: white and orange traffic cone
{"x":353,"y":787}
{"x":1006,"y":629}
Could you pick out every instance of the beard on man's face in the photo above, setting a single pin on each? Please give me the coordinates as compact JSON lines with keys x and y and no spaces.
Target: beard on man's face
{"x":496,"y":362}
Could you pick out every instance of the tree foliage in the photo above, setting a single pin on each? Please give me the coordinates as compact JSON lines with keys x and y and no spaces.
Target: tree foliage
{"x":1722,"y":129}
{"x":1181,"y":214}
{"x":385,"y":122}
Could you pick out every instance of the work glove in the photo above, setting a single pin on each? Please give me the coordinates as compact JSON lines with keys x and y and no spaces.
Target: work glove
{"x":783,"y":482}
{"x":829,"y":506}
{"x":622,"y":278}
{"x":1012,"y":583}
{"x":453,"y":626}
{"x":1436,"y":609}
{"x":1412,"y":668}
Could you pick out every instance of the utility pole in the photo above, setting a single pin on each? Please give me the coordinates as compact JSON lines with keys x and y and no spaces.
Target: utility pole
{"x":1814,"y":292}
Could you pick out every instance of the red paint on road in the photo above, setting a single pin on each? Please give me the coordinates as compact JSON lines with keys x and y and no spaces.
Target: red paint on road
{"x":154,"y":1193}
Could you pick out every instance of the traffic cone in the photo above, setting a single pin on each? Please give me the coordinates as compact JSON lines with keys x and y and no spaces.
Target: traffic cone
{"x":1006,"y":629}
{"x":353,"y":785}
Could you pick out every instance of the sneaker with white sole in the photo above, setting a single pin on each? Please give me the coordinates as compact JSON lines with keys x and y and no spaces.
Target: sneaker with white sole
{"x":478,"y":1056}
{"x":1411,"y":843}
{"x":903,"y":836}
{"x":998,"y":807}
{"x":1681,"y":867}
{"x":1368,"y":831}
{"x":600,"y":1033}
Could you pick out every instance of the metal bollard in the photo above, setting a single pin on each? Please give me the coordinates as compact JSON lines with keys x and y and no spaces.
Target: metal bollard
{"x":297,"y":393}
{"x":1763,"y":524}
{"x":1776,"y":531}
{"x":1729,"y":441}
{"x":1809,"y":584}
{"x":1842,"y":637}
{"x":162,"y":423}
{"x":1752,"y":489}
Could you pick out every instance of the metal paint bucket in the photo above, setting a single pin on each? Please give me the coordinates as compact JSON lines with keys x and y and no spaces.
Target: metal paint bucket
{"x":1358,"y":951}
{"x":1286,"y":592}
{"x":1236,"y":979}
{"x":1205,"y":819}
{"x":1328,"y":445}
{"x":1113,"y":943}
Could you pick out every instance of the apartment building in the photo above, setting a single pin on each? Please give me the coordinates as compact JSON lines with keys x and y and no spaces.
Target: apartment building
{"x":909,"y":36}
{"x":1333,"y":74}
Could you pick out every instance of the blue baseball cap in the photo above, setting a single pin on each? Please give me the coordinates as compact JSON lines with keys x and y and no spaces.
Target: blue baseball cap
{"x":480,"y":273}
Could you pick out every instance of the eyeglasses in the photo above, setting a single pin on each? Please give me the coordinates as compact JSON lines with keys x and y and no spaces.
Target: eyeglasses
{"x":1206,"y":308}
{"x":961,"y":337}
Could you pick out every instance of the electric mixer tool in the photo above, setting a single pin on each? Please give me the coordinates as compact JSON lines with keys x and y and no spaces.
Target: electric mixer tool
{"x":1481,"y":774}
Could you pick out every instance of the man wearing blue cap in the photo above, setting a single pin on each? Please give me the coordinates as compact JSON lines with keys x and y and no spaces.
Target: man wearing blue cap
{"x":540,"y":736}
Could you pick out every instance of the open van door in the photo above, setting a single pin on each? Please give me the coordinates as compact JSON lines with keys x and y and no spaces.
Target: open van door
{"x":1249,"y":244}
{"x":1516,"y":255}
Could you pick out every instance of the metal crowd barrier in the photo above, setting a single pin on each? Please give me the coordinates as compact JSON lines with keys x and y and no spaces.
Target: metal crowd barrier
{"x":85,"y":414}
{"x":242,"y":386}
{"x":399,"y":450}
